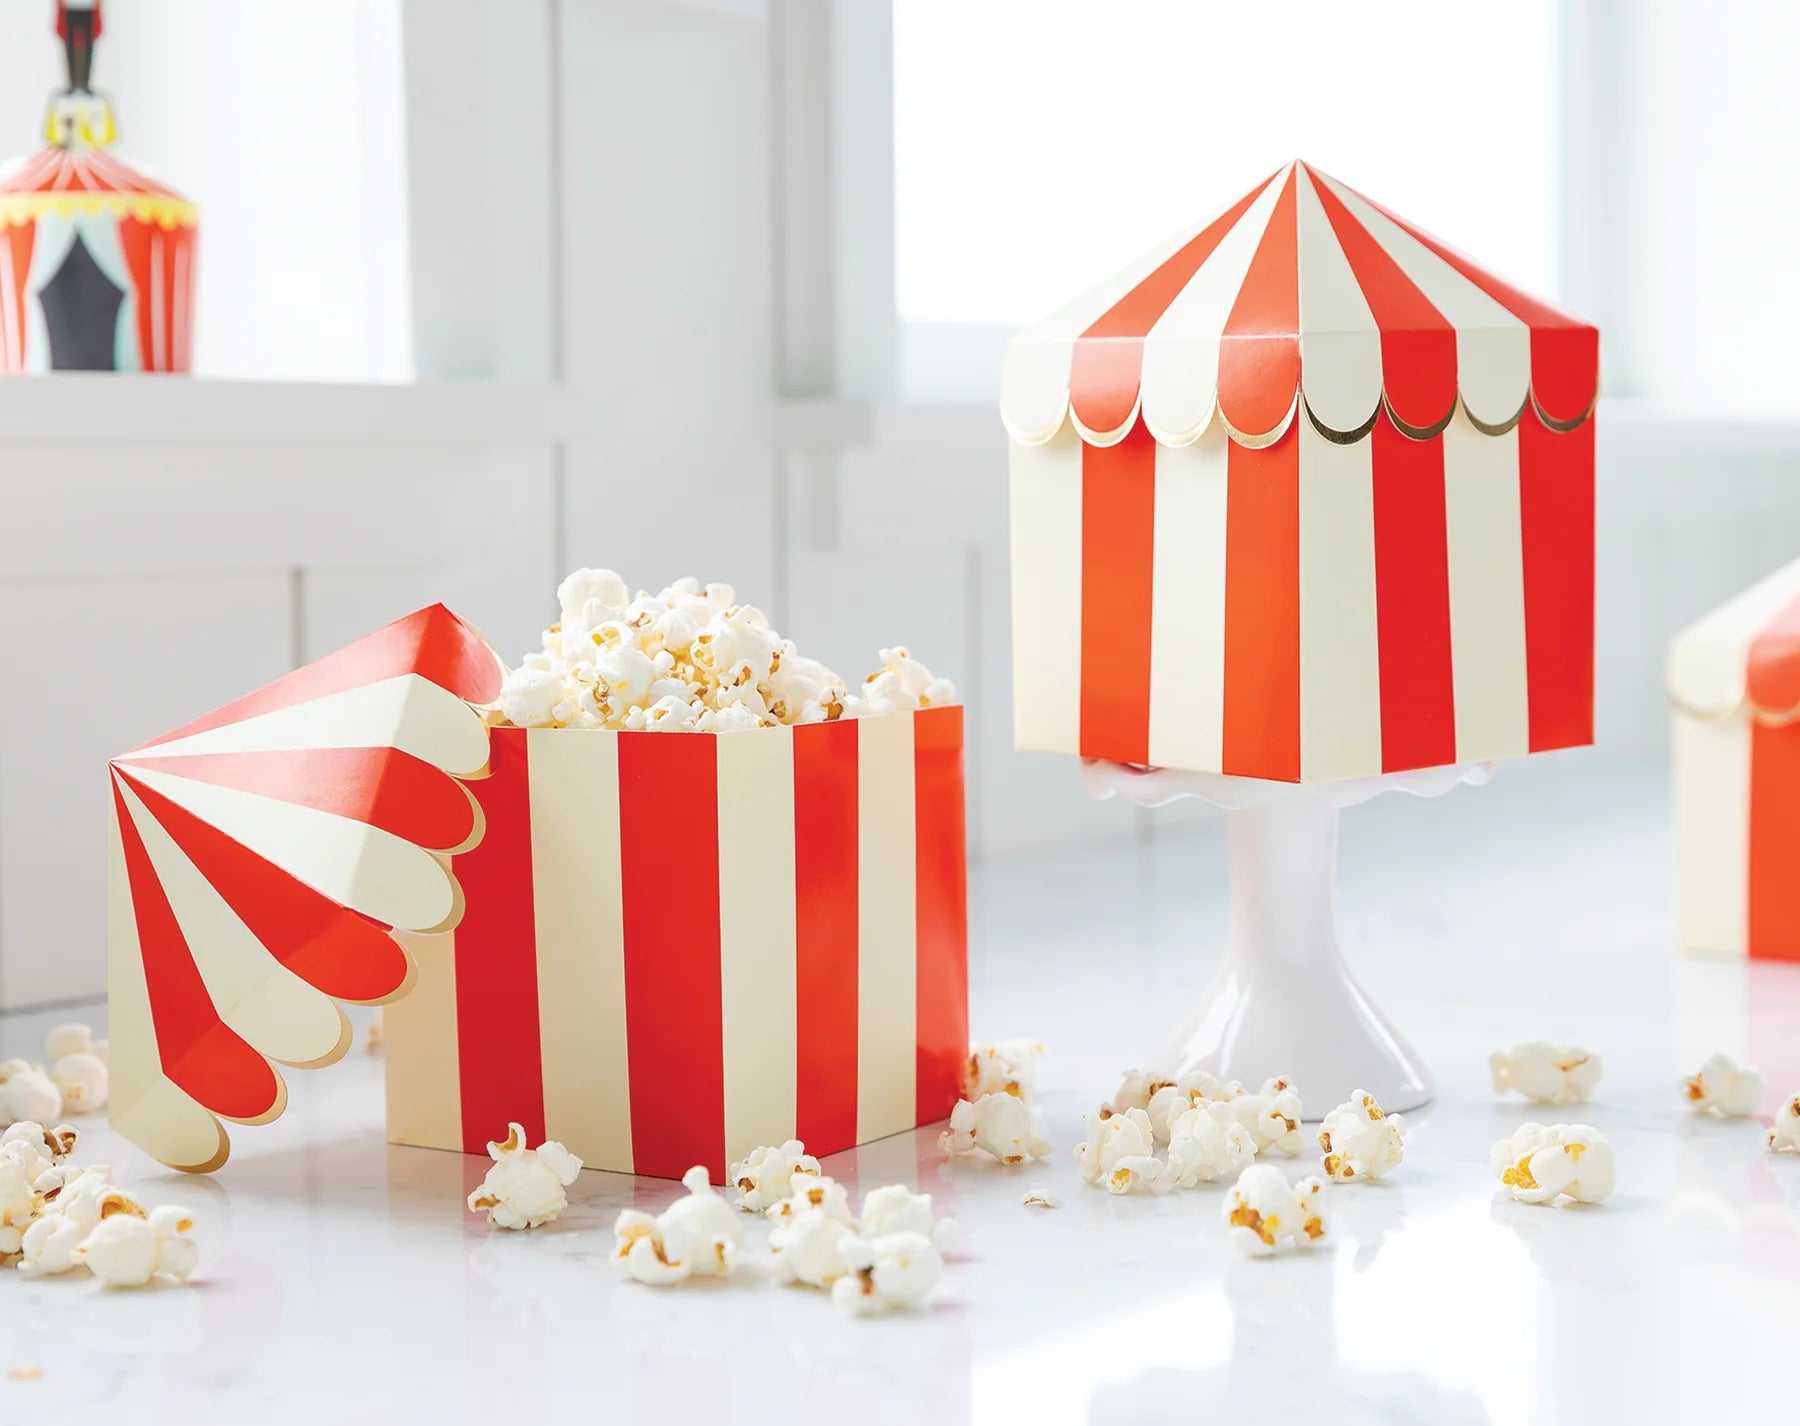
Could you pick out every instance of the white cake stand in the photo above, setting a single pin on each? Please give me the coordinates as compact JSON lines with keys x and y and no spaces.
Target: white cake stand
{"x":1284,"y":1001}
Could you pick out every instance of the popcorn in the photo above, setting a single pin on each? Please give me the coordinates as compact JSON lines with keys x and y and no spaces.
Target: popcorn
{"x":524,"y":1188}
{"x":1173,"y":1098}
{"x":1137,"y":1090}
{"x":1003,"y":1067}
{"x":897,"y":1209}
{"x":696,"y":1236}
{"x":1541,"y":1163}
{"x":1272,"y":1117}
{"x":688,"y":659}
{"x":126,"y":1251}
{"x":894,"y":1270}
{"x":1263,"y":1211}
{"x":1119,"y":1152}
{"x":997,"y":1124}
{"x":1360,"y":1142}
{"x":74,"y":1202}
{"x":53,"y":1144}
{"x":1724,"y":1088}
{"x":1785,"y":1135}
{"x":809,"y":1247}
{"x":825,"y":1194}
{"x":81,"y":1079}
{"x":18,"y":1206}
{"x":768,"y":1175}
{"x":1546,"y":1074}
{"x":1208,"y":1142}
{"x":1040,"y":1198}
{"x":73,"y":1040}
{"x":27,"y":1094}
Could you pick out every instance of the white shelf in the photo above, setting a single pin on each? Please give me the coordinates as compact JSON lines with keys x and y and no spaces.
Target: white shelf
{"x":98,"y":408}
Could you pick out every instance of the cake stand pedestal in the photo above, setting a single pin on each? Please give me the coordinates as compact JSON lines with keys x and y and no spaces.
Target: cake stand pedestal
{"x":1284,"y":1001}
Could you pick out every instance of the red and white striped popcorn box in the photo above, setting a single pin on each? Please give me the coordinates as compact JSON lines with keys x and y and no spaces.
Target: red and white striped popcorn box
{"x":1734,"y":681}
{"x":1304,"y":495}
{"x":660,"y":948}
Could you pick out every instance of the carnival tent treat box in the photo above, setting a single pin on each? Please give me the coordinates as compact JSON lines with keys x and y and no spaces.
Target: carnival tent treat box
{"x":660,"y":948}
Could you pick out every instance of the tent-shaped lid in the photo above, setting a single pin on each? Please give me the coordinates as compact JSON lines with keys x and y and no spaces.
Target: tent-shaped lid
{"x":260,"y":856}
{"x":1303,"y":293}
{"x":83,"y":179}
{"x":1744,"y":657}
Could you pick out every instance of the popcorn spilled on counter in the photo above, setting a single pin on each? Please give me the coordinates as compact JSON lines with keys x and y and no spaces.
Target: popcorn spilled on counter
{"x":1360,"y":1141}
{"x":1264,"y":1211}
{"x":78,"y":1068}
{"x":1137,"y":1090}
{"x":1541,"y":1163}
{"x":772,"y":1173}
{"x":525,"y":1187}
{"x":1271,"y":1116}
{"x":1171,"y":1098}
{"x":1785,"y":1135}
{"x":1119,"y":1152}
{"x":997,"y":1124}
{"x":1545,"y":1073}
{"x":1207,"y":1143}
{"x":896,"y":1270}
{"x":695,"y":1236}
{"x":1724,"y":1088}
{"x":128,"y":1251}
{"x":1003,"y":1067}
{"x":689,"y":659}
{"x":28,"y":1094}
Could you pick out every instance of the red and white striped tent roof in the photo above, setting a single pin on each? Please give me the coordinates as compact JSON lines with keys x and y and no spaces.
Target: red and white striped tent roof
{"x":1302,"y":293}
{"x":77,"y":173}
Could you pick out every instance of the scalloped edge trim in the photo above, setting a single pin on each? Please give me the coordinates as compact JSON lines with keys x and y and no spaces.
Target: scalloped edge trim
{"x":163,"y":210}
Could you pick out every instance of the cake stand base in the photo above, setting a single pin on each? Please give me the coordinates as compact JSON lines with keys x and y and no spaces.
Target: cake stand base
{"x":1284,"y":1001}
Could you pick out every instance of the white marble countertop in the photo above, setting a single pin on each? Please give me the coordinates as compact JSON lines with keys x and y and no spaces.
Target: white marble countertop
{"x":342,"y":1280}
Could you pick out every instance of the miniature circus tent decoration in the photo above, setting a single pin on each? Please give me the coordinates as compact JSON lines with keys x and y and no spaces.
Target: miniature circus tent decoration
{"x":1304,"y":494}
{"x":260,"y":857}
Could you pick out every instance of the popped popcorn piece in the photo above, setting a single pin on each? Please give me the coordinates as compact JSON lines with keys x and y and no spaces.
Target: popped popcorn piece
{"x":1208,"y":1142}
{"x":768,"y":1174}
{"x":897,"y":1209}
{"x":18,"y":1206}
{"x":809,"y":1247}
{"x":1263,"y":1211}
{"x":1118,"y":1152}
{"x":1540,"y":1163}
{"x":1724,"y":1088}
{"x":1271,"y":1116}
{"x":1173,"y":1098}
{"x":53,"y":1144}
{"x":695,"y":1236}
{"x":27,"y":1094}
{"x":1545,"y":1073}
{"x":1785,"y":1135}
{"x":81,"y":1079}
{"x":1361,"y":1142}
{"x":127,"y":1251}
{"x":530,"y":698}
{"x":1136,"y":1091}
{"x":1002,"y":1067}
{"x":75,"y":1039}
{"x":996,"y":1124}
{"x":1040,"y":1198}
{"x":824,"y":1193}
{"x":894,"y":1270}
{"x":525,"y":1187}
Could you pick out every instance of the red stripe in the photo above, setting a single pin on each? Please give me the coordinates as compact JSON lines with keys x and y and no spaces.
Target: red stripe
{"x":1773,"y":929}
{"x":499,"y":1052}
{"x":1772,"y":666}
{"x":432,"y":642}
{"x":1108,"y":360}
{"x":1418,"y":347}
{"x":339,"y":951}
{"x":381,"y":787}
{"x":134,"y":246}
{"x":19,"y":239}
{"x":942,"y":915}
{"x":674,"y":1016}
{"x":1556,"y":514}
{"x":1412,"y":601}
{"x":1259,"y":350}
{"x":825,"y":928}
{"x":1262,"y":610}
{"x":198,"y":1051}
{"x":1118,"y":532}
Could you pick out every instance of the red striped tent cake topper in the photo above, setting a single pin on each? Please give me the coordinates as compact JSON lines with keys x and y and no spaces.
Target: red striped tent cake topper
{"x":1303,"y":494}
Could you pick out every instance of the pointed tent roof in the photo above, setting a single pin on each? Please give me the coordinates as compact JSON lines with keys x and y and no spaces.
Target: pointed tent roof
{"x":260,"y":856}
{"x":1303,"y":293}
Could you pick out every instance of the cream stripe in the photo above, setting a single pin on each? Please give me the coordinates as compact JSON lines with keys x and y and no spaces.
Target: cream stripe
{"x":1340,"y":342}
{"x":756,"y":937}
{"x":11,"y":346}
{"x":1187,"y":605}
{"x":1712,"y":833}
{"x":275,"y":1011}
{"x":409,"y":712}
{"x":424,"y":1076}
{"x":159,"y":355}
{"x":1340,"y":663}
{"x":887,"y":927}
{"x":577,"y":900}
{"x":1487,"y":591}
{"x":1046,"y":587}
{"x":144,"y":1105}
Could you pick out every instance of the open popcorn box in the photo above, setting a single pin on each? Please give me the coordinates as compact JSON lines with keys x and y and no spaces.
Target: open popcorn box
{"x":662,"y":949}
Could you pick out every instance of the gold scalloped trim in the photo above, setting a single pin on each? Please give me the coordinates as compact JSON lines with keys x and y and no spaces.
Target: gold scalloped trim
{"x":162,"y":209}
{"x":1726,"y":713}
